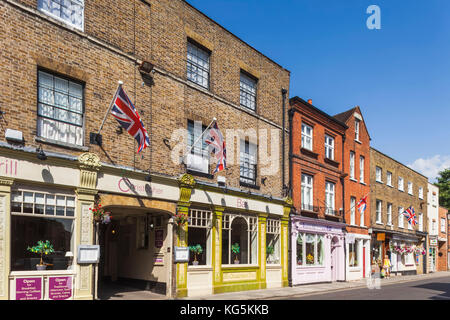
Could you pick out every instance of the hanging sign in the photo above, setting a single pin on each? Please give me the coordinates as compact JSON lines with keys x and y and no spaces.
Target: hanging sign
{"x":381,"y":236}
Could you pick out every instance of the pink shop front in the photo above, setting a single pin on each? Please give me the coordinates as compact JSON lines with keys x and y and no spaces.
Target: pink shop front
{"x":318,"y":251}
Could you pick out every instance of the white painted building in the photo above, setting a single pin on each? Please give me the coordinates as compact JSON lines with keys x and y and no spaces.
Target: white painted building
{"x":433,"y":226}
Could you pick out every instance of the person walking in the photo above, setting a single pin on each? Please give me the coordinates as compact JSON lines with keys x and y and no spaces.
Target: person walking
{"x":387,"y":266}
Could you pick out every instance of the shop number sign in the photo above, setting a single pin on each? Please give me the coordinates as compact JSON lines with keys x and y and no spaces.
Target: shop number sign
{"x":28,"y":288}
{"x":60,"y":288}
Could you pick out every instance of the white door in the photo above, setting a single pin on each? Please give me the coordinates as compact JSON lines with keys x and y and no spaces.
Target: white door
{"x":334,"y":253}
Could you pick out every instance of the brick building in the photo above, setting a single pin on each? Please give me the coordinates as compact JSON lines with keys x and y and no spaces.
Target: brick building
{"x":442,"y":254}
{"x":356,"y":161}
{"x":317,"y":175}
{"x":394,"y":188}
{"x":433,"y":227}
{"x":59,"y":72}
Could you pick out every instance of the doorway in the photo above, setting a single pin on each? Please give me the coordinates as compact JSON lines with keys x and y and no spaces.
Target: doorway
{"x":135,"y":254}
{"x":334,"y":258}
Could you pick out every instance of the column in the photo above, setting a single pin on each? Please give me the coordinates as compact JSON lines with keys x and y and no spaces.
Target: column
{"x":217,"y":248}
{"x":285,"y":238}
{"x":5,"y":236}
{"x":262,"y":220}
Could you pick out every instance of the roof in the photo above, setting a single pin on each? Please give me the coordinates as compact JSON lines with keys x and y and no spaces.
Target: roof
{"x":300,"y":100}
{"x":346,"y":115}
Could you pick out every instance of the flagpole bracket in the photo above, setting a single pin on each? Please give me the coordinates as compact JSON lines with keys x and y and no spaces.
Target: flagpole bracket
{"x":95,"y":139}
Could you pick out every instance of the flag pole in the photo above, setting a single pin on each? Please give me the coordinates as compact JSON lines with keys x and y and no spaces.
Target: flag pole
{"x":198,"y":139}
{"x":110,"y":106}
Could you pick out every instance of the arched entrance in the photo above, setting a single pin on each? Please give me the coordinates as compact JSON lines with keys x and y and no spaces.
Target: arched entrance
{"x":135,"y":249}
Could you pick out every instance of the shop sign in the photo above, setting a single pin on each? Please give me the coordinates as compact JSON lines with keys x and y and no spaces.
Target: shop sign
{"x":433,"y":242}
{"x":60,"y":288}
{"x":29,"y":288}
{"x":88,"y":254}
{"x":181,"y":254}
{"x":381,"y":236}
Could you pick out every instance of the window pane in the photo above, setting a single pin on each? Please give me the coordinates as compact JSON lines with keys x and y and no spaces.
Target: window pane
{"x":310,"y":249}
{"x":300,"y":256}
{"x":27,"y":231}
{"x":197,"y":242}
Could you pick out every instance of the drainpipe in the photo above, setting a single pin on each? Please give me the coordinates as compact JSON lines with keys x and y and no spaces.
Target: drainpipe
{"x":283,"y":181}
{"x":343,"y":207}
{"x":291,"y":116}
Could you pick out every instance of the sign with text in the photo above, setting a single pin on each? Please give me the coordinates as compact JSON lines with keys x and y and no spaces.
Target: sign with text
{"x":29,"y":288}
{"x":381,"y":236}
{"x":159,"y":238}
{"x":181,"y":254}
{"x":60,"y":288}
{"x":88,"y":254}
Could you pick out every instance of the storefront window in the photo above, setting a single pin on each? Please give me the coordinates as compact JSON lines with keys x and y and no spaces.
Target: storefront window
{"x":199,"y":237}
{"x":239,"y":239}
{"x":42,"y":216}
{"x":353,"y":254}
{"x":273,"y":243}
{"x":309,"y":249}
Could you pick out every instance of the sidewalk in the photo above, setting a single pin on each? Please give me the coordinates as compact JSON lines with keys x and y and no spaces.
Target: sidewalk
{"x":311,"y":289}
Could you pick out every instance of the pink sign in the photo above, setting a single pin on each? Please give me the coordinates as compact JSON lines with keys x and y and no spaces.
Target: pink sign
{"x":59,"y":288}
{"x":28,"y":288}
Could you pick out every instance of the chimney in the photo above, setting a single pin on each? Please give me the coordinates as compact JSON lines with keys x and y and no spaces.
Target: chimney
{"x":310,"y":101}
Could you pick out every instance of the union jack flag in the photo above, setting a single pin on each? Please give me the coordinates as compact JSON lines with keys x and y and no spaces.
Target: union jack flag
{"x":217,"y":144}
{"x":411,"y":215}
{"x":128,"y":117}
{"x":362,"y":204}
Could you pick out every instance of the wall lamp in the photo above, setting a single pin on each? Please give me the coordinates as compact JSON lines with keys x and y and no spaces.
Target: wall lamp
{"x":40,"y":153}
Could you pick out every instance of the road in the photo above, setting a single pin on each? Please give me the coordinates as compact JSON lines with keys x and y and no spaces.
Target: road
{"x":429,"y":289}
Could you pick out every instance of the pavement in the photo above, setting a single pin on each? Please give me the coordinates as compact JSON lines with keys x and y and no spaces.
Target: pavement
{"x":314,"y":289}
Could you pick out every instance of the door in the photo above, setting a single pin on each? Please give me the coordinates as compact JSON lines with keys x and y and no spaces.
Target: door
{"x":334,"y":259}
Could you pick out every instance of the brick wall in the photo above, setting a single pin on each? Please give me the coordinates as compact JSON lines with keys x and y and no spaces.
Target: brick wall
{"x":117,"y":36}
{"x":442,"y":258}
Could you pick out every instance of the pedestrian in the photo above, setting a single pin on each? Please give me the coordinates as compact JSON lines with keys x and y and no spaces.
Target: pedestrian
{"x":387,"y":266}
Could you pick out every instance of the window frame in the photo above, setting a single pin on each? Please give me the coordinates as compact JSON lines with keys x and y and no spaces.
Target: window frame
{"x":316,"y":252}
{"x":329,"y":147}
{"x":389,"y":178}
{"x":202,"y":219}
{"x":378,"y":174}
{"x":330,"y":191}
{"x":410,"y":188}
{"x":402,"y":184}
{"x":246,"y":157}
{"x":357,"y":131}
{"x":305,"y":184}
{"x":273,"y":227}
{"x":80,"y":2}
{"x":389,"y":213}
{"x":352,"y":211}
{"x":362,"y":160}
{"x":401,"y":218}
{"x":352,"y":165}
{"x":253,"y":79}
{"x":204,"y":152}
{"x":199,"y":47}
{"x":379,"y":211}
{"x":305,"y":136}
{"x":83,"y":107}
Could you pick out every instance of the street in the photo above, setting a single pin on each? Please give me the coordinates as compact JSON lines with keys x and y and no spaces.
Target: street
{"x":428,"y":289}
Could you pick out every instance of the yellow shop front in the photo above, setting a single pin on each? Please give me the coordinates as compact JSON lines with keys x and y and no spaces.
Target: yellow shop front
{"x":237,"y":240}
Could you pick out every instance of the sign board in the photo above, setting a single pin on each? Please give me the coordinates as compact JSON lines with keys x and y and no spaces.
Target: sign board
{"x":159,"y":238}
{"x":88,"y":254}
{"x":29,"y":288}
{"x":433,"y":242}
{"x":60,"y":288}
{"x":381,"y":236}
{"x":181,"y":254}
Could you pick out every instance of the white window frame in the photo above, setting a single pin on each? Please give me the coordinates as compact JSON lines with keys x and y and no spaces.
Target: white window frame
{"x":307,"y":184}
{"x":379,"y":174}
{"x":47,"y":11}
{"x":248,"y":163}
{"x":420,"y":221}
{"x":401,"y":218}
{"x":330,"y":198}
{"x":421,"y":193}
{"x":361,"y":169}
{"x":389,"y":214}
{"x":198,"y":159}
{"x":389,"y":178}
{"x":356,"y":246}
{"x":410,"y":188}
{"x":352,"y":211}
{"x":357,"y":127}
{"x":379,"y":212}
{"x":352,"y":165}
{"x":401,"y":184}
{"x":303,"y":249}
{"x":443,"y":222}
{"x":329,"y":147}
{"x":307,"y":139}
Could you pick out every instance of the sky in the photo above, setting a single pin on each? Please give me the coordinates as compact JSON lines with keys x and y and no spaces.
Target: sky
{"x":399,"y":74}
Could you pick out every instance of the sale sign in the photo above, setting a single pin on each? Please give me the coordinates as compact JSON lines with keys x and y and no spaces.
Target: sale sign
{"x":28,"y":288}
{"x":59,"y":288}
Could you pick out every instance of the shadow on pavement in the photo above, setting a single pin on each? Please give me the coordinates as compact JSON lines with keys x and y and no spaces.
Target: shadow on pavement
{"x":437,"y":286}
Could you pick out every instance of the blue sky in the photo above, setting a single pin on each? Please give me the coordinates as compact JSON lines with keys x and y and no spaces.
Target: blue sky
{"x":398,"y":75}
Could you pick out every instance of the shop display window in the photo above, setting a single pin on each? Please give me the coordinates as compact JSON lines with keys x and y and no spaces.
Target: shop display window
{"x":353,"y":254}
{"x":273,"y":242}
{"x":239,"y":239}
{"x":309,"y":249}
{"x":199,"y":237}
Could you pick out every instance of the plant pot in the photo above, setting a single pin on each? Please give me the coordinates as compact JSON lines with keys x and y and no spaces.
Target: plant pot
{"x":195,"y":263}
{"x":41,"y":267}
{"x":236,"y":261}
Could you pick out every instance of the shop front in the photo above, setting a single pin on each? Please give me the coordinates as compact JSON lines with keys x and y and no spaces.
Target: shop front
{"x":318,"y":250}
{"x":237,"y":240}
{"x":432,"y":253}
{"x":407,"y":255}
{"x":358,"y":256}
{"x":50,"y":246}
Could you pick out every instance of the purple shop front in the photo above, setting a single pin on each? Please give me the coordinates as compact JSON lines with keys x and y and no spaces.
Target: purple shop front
{"x":317,"y":251}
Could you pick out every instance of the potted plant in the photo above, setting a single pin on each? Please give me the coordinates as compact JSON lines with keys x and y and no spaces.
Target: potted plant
{"x":99,"y":214}
{"x":181,"y":218}
{"x":270,"y":250}
{"x":310,"y":259}
{"x":235,"y":248}
{"x":197,"y":249}
{"x":42,"y":248}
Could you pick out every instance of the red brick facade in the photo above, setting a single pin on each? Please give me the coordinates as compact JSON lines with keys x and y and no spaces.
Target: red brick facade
{"x":442,"y":255}
{"x":354,"y":187}
{"x":314,"y":162}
